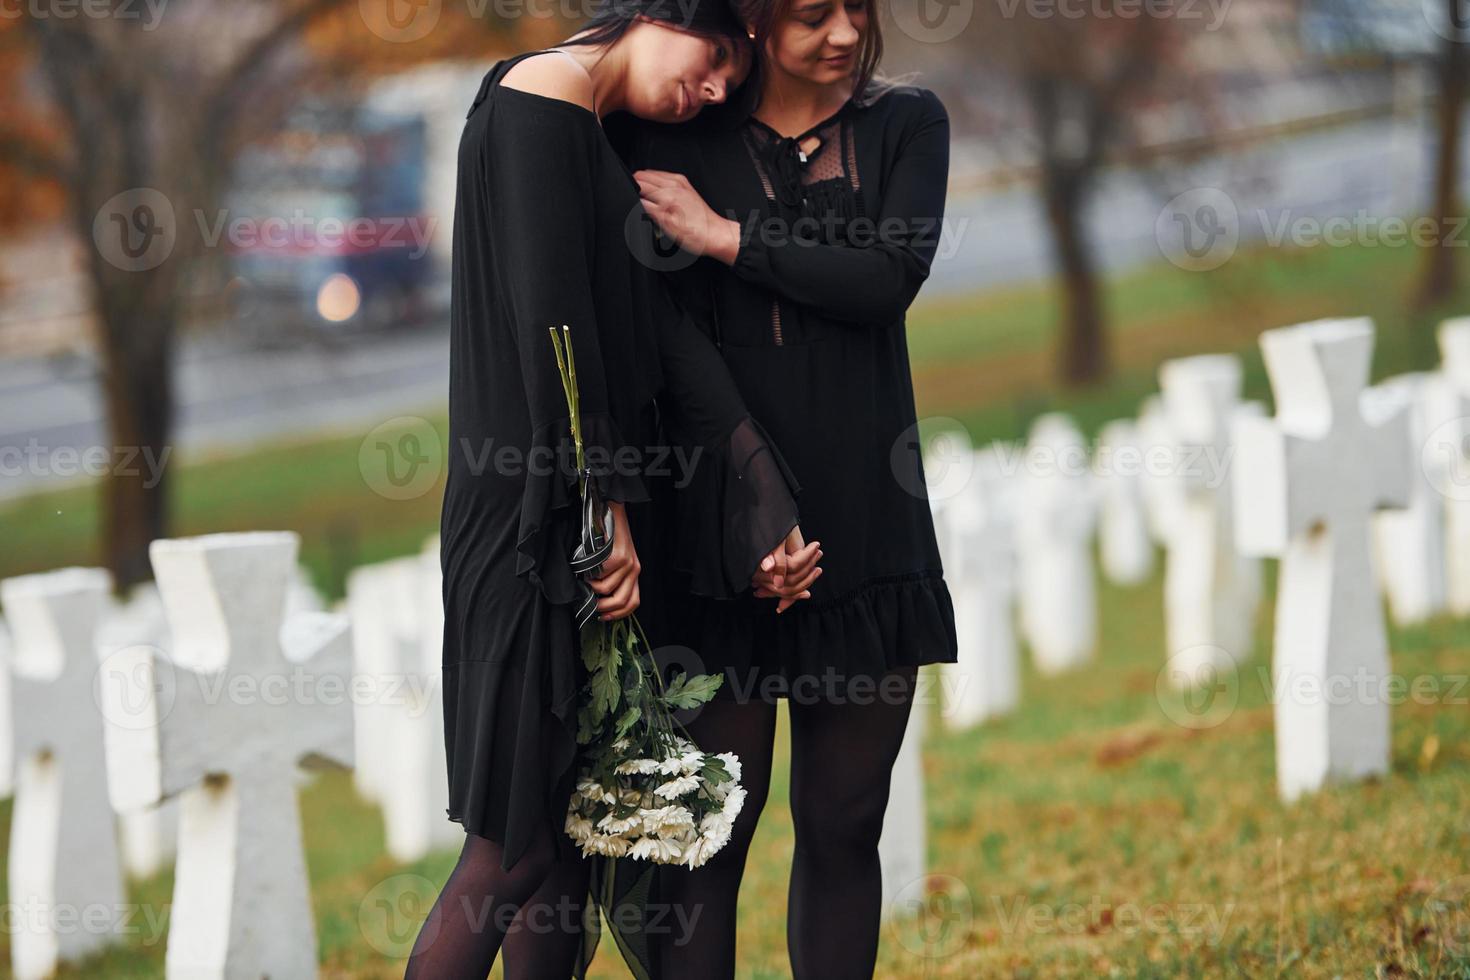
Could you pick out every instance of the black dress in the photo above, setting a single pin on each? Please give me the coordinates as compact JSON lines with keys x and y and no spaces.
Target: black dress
{"x":810,"y":321}
{"x":542,"y":237}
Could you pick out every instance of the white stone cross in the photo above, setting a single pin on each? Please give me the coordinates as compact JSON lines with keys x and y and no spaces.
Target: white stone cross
{"x":1054,"y":526}
{"x":901,"y":845}
{"x":250,"y":695}
{"x":1211,"y":591}
{"x":1447,"y":448}
{"x":383,"y":601}
{"x":985,"y":681}
{"x":1163,"y":491}
{"x":426,"y":767}
{"x":1306,"y":484}
{"x":148,"y":837}
{"x":1126,"y":553}
{"x":1410,"y":543}
{"x":398,"y":628}
{"x":65,"y":874}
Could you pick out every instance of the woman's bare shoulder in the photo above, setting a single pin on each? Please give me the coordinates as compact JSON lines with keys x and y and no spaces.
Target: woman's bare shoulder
{"x":553,"y":75}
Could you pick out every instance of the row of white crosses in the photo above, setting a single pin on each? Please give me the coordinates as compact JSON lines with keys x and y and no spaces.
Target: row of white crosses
{"x":110,"y":716}
{"x":1335,"y":468}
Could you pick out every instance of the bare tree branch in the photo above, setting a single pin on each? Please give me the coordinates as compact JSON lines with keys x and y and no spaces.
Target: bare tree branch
{"x":231,"y":91}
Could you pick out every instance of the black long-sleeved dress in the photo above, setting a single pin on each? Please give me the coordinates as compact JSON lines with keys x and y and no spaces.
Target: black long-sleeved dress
{"x":811,"y":322}
{"x":542,"y":236}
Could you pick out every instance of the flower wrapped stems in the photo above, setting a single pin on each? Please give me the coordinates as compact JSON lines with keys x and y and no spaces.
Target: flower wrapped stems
{"x":645,"y":790}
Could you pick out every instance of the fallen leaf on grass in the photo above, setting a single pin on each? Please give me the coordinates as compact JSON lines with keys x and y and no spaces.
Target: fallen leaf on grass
{"x":1129,"y":745}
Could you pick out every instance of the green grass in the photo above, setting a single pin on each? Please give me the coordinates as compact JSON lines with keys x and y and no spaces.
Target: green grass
{"x":1050,"y":831}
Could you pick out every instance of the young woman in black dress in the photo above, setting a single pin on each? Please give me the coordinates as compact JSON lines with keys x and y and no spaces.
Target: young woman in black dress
{"x":816,"y":215}
{"x":542,"y":237}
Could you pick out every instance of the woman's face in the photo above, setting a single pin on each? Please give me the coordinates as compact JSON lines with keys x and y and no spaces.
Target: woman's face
{"x":819,"y":40}
{"x":673,"y":74}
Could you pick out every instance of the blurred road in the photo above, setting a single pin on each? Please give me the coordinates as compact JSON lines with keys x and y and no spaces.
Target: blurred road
{"x":227,"y":399}
{"x":231,"y":398}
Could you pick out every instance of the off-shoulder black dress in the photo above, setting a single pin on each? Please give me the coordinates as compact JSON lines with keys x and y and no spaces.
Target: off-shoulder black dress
{"x":811,"y":322}
{"x":543,"y":224}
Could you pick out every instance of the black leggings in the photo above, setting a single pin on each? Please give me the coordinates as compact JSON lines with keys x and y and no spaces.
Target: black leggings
{"x":842,"y":753}
{"x":535,"y":910}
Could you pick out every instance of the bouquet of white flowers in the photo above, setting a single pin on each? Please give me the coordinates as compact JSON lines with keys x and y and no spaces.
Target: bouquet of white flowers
{"x":644,"y":789}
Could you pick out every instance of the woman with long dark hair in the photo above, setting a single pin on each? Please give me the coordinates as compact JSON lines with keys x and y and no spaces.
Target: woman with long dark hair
{"x":545,"y":215}
{"x":815,"y":211}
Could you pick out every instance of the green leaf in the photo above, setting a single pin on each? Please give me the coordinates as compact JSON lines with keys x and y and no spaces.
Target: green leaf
{"x":691,"y":692}
{"x":594,"y":646}
{"x":606,"y":687}
{"x":714,"y":771}
{"x":627,"y":719}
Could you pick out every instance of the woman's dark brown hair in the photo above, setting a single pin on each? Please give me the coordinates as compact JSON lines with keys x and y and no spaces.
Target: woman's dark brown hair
{"x":761,"y":17}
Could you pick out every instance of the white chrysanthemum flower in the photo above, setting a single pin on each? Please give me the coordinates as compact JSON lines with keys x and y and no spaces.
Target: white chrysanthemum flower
{"x":691,"y":762}
{"x":732,"y":763}
{"x":667,"y":820}
{"x":618,"y":825}
{"x":675,"y":788}
{"x":733,"y":802}
{"x":716,"y":823}
{"x":637,"y":767}
{"x":607,"y":845}
{"x":671,"y":766}
{"x":657,"y":849}
{"x":718,"y":834}
{"x":578,"y":827}
{"x":621,"y":745}
{"x":697,"y":853}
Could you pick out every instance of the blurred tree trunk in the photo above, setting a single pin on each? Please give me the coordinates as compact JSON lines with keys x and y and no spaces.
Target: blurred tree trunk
{"x":1083,"y":84}
{"x":138,"y":393}
{"x":1082,"y":356}
{"x":1438,"y":283}
{"x":136,"y":129}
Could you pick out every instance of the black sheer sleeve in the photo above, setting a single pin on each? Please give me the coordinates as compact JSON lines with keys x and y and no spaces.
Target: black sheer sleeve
{"x":741,"y":502}
{"x":740,"y":499}
{"x":872,"y":281}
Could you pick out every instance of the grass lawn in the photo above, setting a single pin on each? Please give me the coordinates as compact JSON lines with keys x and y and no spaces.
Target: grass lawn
{"x":1090,"y":834}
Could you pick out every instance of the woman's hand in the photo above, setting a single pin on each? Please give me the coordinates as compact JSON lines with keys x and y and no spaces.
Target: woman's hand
{"x":788,"y":571}
{"x":618,"y":585}
{"x":676,"y":207}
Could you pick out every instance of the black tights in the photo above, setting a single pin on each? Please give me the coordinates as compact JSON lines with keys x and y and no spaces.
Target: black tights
{"x":842,"y":752}
{"x":472,"y":917}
